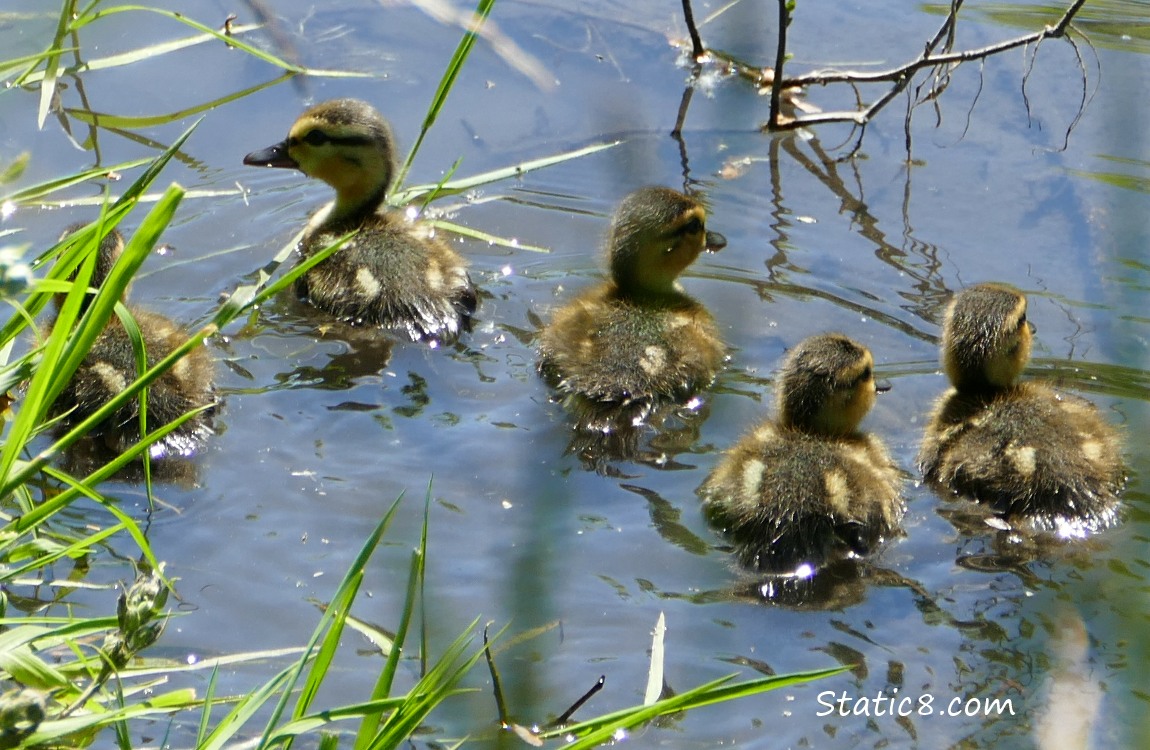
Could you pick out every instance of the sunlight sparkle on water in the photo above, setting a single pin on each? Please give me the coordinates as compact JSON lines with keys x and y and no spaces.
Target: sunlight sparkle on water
{"x":7,"y":209}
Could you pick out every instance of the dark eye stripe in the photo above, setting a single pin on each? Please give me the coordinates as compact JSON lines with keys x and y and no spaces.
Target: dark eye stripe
{"x":319,"y":138}
{"x":694,"y":226}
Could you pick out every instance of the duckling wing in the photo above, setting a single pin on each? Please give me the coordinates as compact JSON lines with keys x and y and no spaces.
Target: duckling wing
{"x":390,"y":276}
{"x":1031,"y":453}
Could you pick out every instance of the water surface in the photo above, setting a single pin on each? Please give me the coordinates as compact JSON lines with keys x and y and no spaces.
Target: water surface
{"x":320,"y":432}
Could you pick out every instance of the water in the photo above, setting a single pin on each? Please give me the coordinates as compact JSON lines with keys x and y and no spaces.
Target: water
{"x":320,"y":432}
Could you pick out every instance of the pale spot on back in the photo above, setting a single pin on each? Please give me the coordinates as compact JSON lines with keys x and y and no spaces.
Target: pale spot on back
{"x":369,"y":286}
{"x":765,"y":433}
{"x":752,"y":478}
{"x":654,"y":359}
{"x":1091,"y":448}
{"x":838,"y":491}
{"x":112,"y":378}
{"x":182,"y":370}
{"x":434,"y":276}
{"x":1023,"y":458}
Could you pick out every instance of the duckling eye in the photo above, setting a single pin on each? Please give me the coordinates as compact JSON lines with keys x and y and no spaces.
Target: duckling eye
{"x":1022,"y":321}
{"x":316,"y":138}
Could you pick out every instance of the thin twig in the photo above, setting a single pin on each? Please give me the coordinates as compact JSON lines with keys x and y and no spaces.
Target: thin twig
{"x":902,"y":75}
{"x":575,"y":706}
{"x":697,"y":49}
{"x":928,"y":60}
{"x":780,"y":58}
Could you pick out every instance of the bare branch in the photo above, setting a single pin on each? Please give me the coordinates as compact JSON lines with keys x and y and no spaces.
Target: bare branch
{"x":928,"y":60}
{"x":697,"y":48}
{"x":780,"y":58}
{"x":901,"y":76}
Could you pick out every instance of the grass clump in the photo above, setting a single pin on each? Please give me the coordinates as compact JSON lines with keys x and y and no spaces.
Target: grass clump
{"x":68,"y":679}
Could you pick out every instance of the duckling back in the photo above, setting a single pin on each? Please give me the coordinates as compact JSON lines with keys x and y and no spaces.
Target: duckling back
{"x":809,"y":488}
{"x":614,"y":350}
{"x":110,"y":366}
{"x":787,"y":498}
{"x":1032,"y":454}
{"x":390,"y":276}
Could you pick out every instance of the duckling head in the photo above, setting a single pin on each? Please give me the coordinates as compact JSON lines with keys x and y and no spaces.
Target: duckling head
{"x":655,"y":234}
{"x":344,"y":142}
{"x":826,"y":386}
{"x":986,"y":337}
{"x":110,"y":250}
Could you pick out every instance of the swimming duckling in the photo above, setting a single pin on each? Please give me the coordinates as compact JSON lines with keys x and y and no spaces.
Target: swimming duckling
{"x":1029,"y":452}
{"x":392,"y":274}
{"x":110,"y":366}
{"x":638,"y":339}
{"x":809,"y":489}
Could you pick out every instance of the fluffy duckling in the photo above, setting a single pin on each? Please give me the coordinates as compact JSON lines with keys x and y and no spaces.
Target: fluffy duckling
{"x":392,"y":273}
{"x":638,"y":339}
{"x":809,"y":489}
{"x":110,"y":366}
{"x":1029,"y":452}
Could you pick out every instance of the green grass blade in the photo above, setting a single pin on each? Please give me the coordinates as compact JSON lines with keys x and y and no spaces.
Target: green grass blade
{"x":138,"y":248}
{"x":601,"y":729}
{"x":33,"y":59}
{"x":490,"y":239}
{"x":315,"y":721}
{"x":206,"y":711}
{"x":453,"y":187}
{"x":454,"y":66}
{"x":35,"y":402}
{"x":431,"y":690}
{"x":137,"y":188}
{"x":247,"y":296}
{"x":124,"y":122}
{"x":34,"y":194}
{"x":237,"y":719}
{"x":52,"y":64}
{"x":370,"y":725}
{"x":230,"y":41}
{"x":341,"y":603}
{"x":46,"y":509}
{"x":140,"y":55}
{"x":206,"y":30}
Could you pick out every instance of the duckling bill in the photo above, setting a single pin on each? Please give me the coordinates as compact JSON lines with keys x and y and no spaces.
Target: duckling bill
{"x":1038,"y":457}
{"x":638,"y":338}
{"x":391,"y":274}
{"x":809,"y":489}
{"x":110,"y":366}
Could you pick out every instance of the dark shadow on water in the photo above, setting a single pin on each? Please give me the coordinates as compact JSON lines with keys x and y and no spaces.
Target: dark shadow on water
{"x":90,"y":454}
{"x":988,"y":544}
{"x":643,"y":432}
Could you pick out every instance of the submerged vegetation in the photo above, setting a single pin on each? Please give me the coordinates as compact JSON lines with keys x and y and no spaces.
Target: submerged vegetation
{"x":68,"y":676}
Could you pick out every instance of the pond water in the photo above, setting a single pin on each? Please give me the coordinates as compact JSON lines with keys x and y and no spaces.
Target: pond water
{"x":321,"y":430}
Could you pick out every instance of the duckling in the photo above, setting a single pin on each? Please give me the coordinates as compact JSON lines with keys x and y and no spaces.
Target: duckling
{"x":110,"y":366}
{"x":391,"y":274}
{"x":638,"y":339}
{"x":1032,"y":454}
{"x":809,"y":489}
